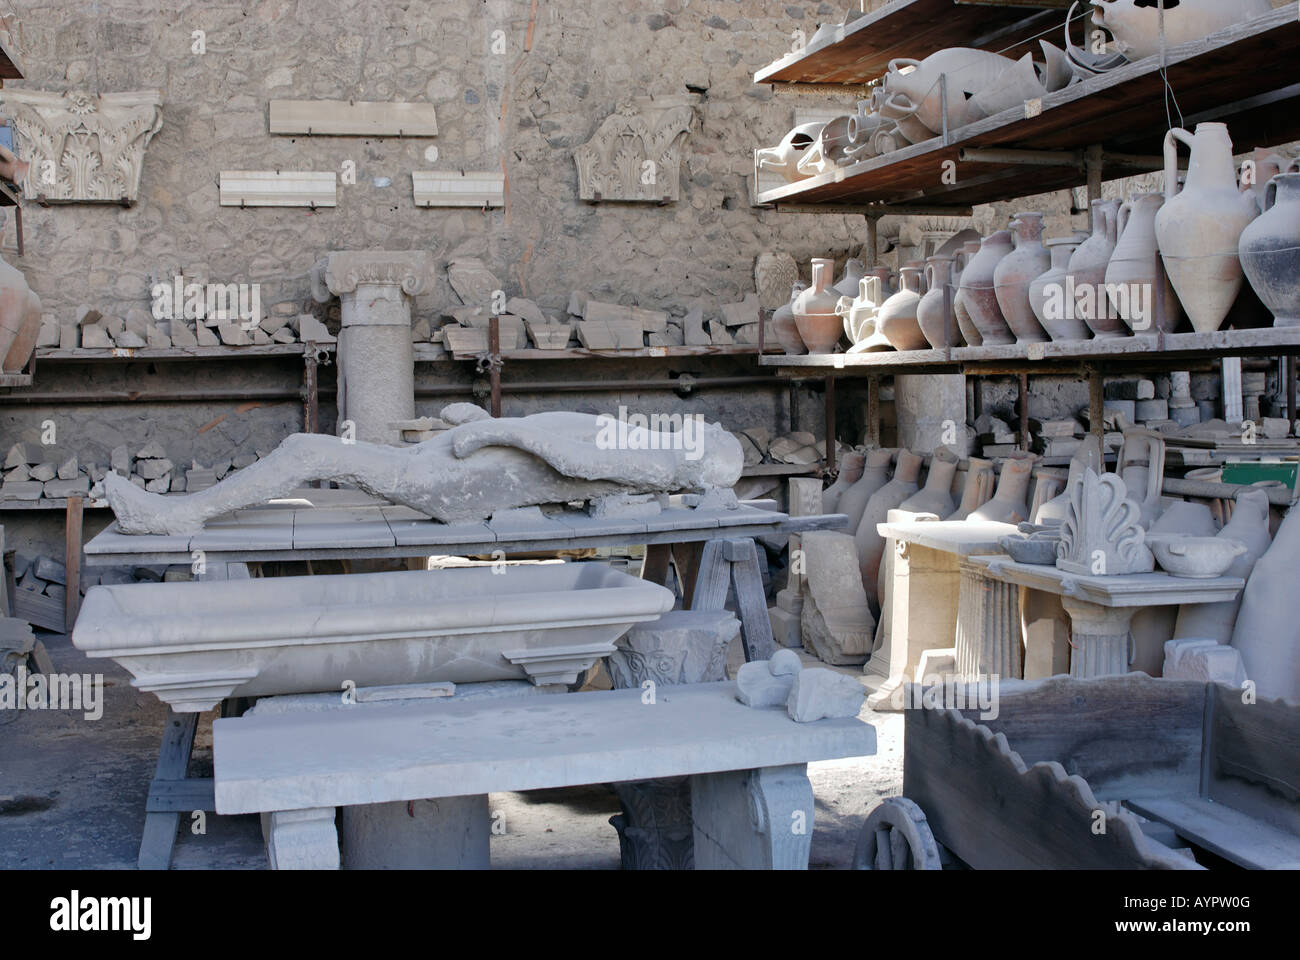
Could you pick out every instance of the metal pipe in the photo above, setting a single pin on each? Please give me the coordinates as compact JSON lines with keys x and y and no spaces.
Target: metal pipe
{"x":1209,"y":490}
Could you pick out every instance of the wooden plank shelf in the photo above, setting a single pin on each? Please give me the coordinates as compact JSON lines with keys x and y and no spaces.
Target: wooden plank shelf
{"x":431,"y":353}
{"x":93,"y":355}
{"x":1162,"y":350}
{"x":1221,"y":78}
{"x":862,"y":50}
{"x":44,"y":503}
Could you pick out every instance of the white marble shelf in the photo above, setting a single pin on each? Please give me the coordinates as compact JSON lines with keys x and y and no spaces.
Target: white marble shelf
{"x":1130,"y":590}
{"x":450,"y":749}
{"x":354,"y":528}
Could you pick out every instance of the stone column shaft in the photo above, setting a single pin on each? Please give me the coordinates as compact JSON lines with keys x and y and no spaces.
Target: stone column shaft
{"x":988,"y":626}
{"x":1100,"y":638}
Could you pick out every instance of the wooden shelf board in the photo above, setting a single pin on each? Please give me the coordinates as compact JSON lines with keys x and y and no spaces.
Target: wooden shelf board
{"x":916,"y":28}
{"x":49,"y":504}
{"x":91,"y":355}
{"x":1161,"y":350}
{"x":1123,"y":111}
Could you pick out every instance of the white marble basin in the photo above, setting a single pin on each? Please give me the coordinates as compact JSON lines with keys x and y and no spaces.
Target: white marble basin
{"x":194,"y":644}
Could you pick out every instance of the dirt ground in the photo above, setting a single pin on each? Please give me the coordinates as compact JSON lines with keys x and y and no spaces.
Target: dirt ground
{"x":72,"y":793}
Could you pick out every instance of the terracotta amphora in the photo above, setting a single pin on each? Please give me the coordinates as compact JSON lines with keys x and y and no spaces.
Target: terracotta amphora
{"x":936,"y":496}
{"x":783,"y":325}
{"x":1131,"y":273}
{"x":978,"y":291}
{"x":964,"y":323}
{"x":886,"y":276}
{"x":980,"y":481}
{"x":1085,"y":279}
{"x":931,"y":315}
{"x":1010,"y":503}
{"x":1199,"y":229}
{"x":1270,"y":250}
{"x":851,"y":465}
{"x":1267,"y":631}
{"x":897,"y":317}
{"x":1047,"y":293}
{"x":1016,"y":271}
{"x":870,"y":544}
{"x":875,"y":474}
{"x":1135,"y":24}
{"x":785,"y":156}
{"x":848,"y":284}
{"x":819,"y":326}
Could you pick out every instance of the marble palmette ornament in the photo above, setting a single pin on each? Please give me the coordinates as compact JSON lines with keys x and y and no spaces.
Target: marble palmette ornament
{"x":1102,"y":535}
{"x":479,"y":467}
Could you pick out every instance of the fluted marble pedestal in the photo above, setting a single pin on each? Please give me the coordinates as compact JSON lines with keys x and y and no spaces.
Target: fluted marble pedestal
{"x":1100,"y":608}
{"x":988,"y":626}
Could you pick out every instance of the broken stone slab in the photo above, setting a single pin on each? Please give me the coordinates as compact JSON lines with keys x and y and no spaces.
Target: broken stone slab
{"x":151,"y":451}
{"x":161,"y":485}
{"x":577,"y":303}
{"x":158,"y":340}
{"x":154,"y":468}
{"x":49,"y":333}
{"x":1275,"y":428}
{"x":205,"y":336}
{"x":1147,"y":410}
{"x":548,"y":336}
{"x":178,"y":482}
{"x":283,"y":335}
{"x":753,"y":456}
{"x":596,"y":335}
{"x":818,"y":693}
{"x":127,"y":339}
{"x":747,"y":333}
{"x":136,"y":479}
{"x":56,"y":591}
{"x":18,"y":473}
{"x":95,"y":337}
{"x":693,"y":332}
{"x":50,"y":570}
{"x":87,"y":315}
{"x":767,"y":683}
{"x":68,"y":468}
{"x":420,"y":331}
{"x":527,"y":310}
{"x":233,"y":335}
{"x":69,"y":336}
{"x":275,"y":320}
{"x":472,"y":281}
{"x":311,"y":330}
{"x":836,"y":622}
{"x":138,"y":320}
{"x":744,"y":313}
{"x":44,"y":471}
{"x":199,"y":478}
{"x":181,"y":335}
{"x":624,"y":505}
{"x":260,"y":339}
{"x":648,"y":321}
{"x":1207,"y":661}
{"x":115,"y":326}
{"x":120,"y":460}
{"x":222,"y":467}
{"x":718,"y":334}
{"x":76,"y":487}
{"x":20,"y":455}
{"x":21,"y":490}
{"x":243,"y":460}
{"x":461,"y":339}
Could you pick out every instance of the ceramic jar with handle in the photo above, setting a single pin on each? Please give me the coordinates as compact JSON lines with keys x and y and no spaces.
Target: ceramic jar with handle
{"x":1270,"y":250}
{"x":783,"y":325}
{"x":896,"y":320}
{"x":932,"y":313}
{"x":979,"y":293}
{"x":848,"y":283}
{"x":1199,"y":228}
{"x":819,"y":326}
{"x":1131,"y":273}
{"x":1016,"y":271}
{"x":1047,"y":294}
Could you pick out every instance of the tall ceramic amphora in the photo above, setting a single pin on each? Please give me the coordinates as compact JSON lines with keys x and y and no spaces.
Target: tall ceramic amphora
{"x":1047,"y":293}
{"x":20,"y":318}
{"x":1016,"y":271}
{"x":1131,"y":274}
{"x":1085,"y":279}
{"x":1198,"y":230}
{"x":848,"y":285}
{"x":896,"y":320}
{"x":819,"y":326}
{"x":978,"y":293}
{"x":1270,"y":250}
{"x":787,"y":334}
{"x":931,"y":315}
{"x":965,"y":324}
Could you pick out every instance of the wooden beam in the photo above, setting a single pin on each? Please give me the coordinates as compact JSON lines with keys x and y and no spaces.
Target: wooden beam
{"x":72,"y":560}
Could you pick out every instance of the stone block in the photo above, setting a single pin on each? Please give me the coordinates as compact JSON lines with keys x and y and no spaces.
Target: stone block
{"x":58,"y":489}
{"x":44,"y":471}
{"x":818,"y":693}
{"x":785,"y":626}
{"x":120,"y":460}
{"x":162,"y":484}
{"x":527,"y":310}
{"x":154,"y":468}
{"x":1207,"y":661}
{"x":836,"y":620}
{"x":68,"y":469}
{"x":748,"y":311}
{"x":50,"y":570}
{"x":1136,"y":389}
{"x":21,"y":490}
{"x":95,"y":337}
{"x":181,"y":335}
{"x":1147,"y":410}
{"x":693,"y":332}
{"x":205,"y":337}
{"x":718,"y":334}
{"x":233,"y":335}
{"x":127,"y":339}
{"x":69,"y":336}
{"x":49,"y":333}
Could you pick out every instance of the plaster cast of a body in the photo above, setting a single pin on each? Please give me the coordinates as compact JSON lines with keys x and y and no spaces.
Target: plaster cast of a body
{"x":465,"y":474}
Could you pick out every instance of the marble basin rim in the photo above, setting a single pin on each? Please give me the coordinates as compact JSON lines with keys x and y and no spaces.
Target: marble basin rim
{"x":193,"y":644}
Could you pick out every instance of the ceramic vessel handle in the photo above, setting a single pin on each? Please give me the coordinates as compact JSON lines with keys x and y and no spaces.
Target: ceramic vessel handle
{"x":1171,"y":159}
{"x":896,"y":66}
{"x":1270,"y":194}
{"x":1125,"y":211}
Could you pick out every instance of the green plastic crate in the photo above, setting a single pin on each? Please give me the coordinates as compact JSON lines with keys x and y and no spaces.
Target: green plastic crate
{"x":1254,"y":472}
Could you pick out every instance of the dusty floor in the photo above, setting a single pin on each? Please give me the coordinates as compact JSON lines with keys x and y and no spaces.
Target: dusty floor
{"x":72,"y":794}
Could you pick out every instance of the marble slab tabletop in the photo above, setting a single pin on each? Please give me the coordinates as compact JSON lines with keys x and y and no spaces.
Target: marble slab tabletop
{"x":340,"y":524}
{"x":344,"y":757}
{"x":1124,"y":590}
{"x":965,"y":538}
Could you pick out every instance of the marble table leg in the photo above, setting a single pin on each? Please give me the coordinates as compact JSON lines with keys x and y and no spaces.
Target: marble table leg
{"x":301,"y":839}
{"x":988,"y":626}
{"x":753,"y":819}
{"x":1100,"y":644}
